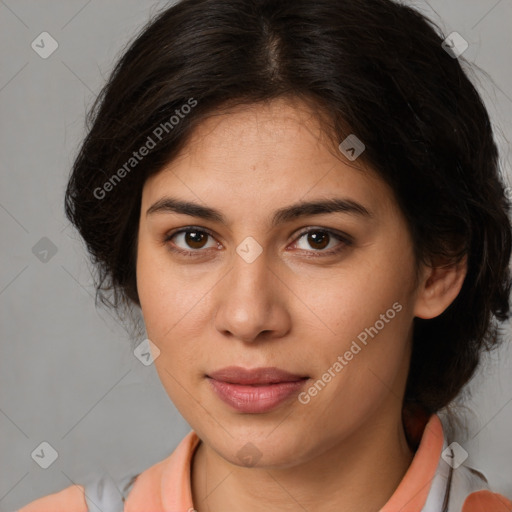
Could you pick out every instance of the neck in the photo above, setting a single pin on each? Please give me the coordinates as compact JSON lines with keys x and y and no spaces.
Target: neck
{"x":338,"y":478}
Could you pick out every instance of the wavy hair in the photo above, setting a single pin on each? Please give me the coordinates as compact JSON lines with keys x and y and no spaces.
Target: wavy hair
{"x":375,"y":68}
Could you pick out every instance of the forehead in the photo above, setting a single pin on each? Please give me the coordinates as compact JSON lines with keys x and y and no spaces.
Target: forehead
{"x":262,"y":154}
{"x":284,"y":128}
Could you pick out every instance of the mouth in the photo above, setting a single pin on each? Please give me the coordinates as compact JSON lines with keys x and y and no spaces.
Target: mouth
{"x":255,"y":391}
{"x":255,"y":377}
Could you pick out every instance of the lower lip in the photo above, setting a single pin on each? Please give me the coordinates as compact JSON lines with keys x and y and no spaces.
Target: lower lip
{"x":255,"y":399}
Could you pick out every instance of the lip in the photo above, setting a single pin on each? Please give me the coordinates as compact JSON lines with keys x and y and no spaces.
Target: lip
{"x":255,"y":390}
{"x":255,"y":376}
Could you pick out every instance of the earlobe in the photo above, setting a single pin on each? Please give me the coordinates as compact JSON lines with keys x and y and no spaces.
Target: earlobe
{"x":438,"y":288}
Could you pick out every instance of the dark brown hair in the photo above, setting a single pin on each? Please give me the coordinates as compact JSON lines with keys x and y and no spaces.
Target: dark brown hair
{"x":374,"y":68}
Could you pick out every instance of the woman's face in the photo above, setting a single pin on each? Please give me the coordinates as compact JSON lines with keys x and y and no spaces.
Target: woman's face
{"x":267,"y":281}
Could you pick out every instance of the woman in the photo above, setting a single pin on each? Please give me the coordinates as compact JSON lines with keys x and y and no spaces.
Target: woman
{"x":304,"y":200}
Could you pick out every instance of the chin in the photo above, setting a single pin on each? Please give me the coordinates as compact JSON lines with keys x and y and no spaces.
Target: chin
{"x":260,"y":449}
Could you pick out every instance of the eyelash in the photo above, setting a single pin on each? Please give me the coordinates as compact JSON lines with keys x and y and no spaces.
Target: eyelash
{"x":345,"y":239}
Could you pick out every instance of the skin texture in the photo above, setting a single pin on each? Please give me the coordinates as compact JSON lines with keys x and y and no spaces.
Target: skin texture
{"x":292,"y":308}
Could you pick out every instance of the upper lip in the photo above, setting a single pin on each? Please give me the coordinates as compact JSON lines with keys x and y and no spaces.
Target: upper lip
{"x":268,"y":375}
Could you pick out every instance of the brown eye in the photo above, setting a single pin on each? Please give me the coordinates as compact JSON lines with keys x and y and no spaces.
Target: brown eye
{"x":318,"y":239}
{"x":196,"y":239}
{"x":189,"y":241}
{"x":323,"y":242}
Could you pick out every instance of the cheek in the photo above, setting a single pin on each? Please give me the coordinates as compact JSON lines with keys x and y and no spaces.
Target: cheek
{"x":368,"y":315}
{"x":162,"y":294}
{"x":350,"y":301}
{"x":169,"y":317}
{"x":173,"y":307}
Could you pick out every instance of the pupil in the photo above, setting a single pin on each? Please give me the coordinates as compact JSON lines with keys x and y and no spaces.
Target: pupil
{"x":194,"y":239}
{"x":315,"y":238}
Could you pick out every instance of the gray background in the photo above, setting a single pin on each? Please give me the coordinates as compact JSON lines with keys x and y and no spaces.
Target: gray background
{"x":68,"y":375}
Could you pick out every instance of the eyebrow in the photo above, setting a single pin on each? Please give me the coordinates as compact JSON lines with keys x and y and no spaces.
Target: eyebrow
{"x":286,"y":214}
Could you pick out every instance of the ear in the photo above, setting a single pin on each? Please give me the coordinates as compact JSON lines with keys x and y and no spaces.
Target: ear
{"x":438,"y":288}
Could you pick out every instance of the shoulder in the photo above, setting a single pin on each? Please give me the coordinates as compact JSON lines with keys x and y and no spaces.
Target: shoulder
{"x":134,"y":492}
{"x":70,"y":499}
{"x":470,"y":492}
{"x":488,"y":501}
{"x":99,"y":493}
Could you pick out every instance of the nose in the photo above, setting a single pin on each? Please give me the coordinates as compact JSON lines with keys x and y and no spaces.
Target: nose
{"x":251,"y":302}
